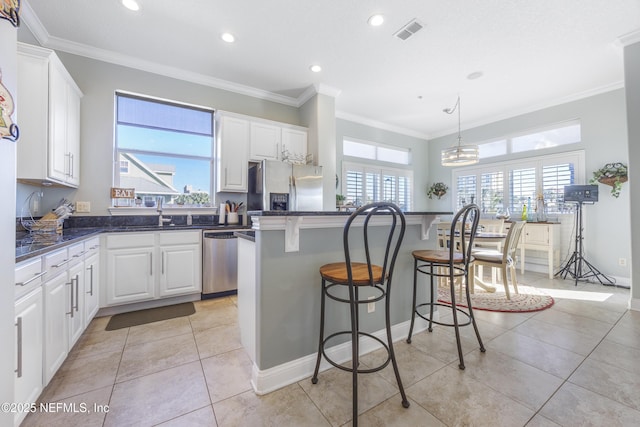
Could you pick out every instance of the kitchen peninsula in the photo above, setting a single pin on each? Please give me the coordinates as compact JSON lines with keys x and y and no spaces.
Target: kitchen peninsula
{"x":279,"y":290}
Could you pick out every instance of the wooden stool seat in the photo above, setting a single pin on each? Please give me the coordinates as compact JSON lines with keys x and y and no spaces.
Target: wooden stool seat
{"x":337,"y":273}
{"x":438,"y":257}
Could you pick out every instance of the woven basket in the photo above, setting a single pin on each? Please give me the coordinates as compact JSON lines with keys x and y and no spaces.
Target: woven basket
{"x":611,"y":180}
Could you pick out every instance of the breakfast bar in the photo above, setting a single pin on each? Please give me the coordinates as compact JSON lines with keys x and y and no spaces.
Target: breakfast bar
{"x":279,"y":290}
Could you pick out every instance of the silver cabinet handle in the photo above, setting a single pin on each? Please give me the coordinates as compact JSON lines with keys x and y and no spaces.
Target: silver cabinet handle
{"x":71,"y":165}
{"x":77,"y":292}
{"x":90,"y":268}
{"x":60,"y":264}
{"x":70,"y":284}
{"x":36,"y":276}
{"x":19,"y":326}
{"x":162,"y":259}
{"x":226,"y":181}
{"x":151,"y":264}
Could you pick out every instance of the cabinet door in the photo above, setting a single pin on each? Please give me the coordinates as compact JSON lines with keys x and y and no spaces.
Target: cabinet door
{"x":180,"y":270}
{"x":233,"y":154}
{"x":130,"y":276}
{"x":56,"y":330}
{"x":59,"y":159}
{"x":535,"y":234}
{"x":91,"y":287}
{"x":28,"y":319}
{"x":265,"y":141}
{"x":76,"y":299}
{"x":295,"y":142}
{"x":73,"y":136}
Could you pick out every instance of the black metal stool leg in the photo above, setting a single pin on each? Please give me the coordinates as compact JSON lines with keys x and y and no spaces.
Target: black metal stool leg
{"x":355,"y":361}
{"x":454,"y":312}
{"x":314,"y":379}
{"x":473,"y":317}
{"x":414,"y":308}
{"x":392,"y":354}
{"x":430,"y":328}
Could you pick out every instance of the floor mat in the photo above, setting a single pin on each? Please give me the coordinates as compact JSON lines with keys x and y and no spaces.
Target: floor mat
{"x":140,"y":317}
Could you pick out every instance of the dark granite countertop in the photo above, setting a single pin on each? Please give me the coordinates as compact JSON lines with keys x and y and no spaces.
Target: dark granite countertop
{"x":32,"y":245}
{"x":328,"y":213}
{"x":247,"y":235}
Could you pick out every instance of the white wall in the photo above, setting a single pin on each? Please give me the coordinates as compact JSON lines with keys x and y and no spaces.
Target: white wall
{"x":604,"y":140}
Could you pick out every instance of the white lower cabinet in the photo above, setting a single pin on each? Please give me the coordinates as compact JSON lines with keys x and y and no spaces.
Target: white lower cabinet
{"x":75,"y":290}
{"x":91,"y":285}
{"x":152,"y":265}
{"x":29,"y":324}
{"x":56,"y":330}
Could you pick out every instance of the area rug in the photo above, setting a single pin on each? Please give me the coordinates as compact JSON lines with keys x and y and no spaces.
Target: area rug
{"x":140,"y":317}
{"x":529,"y":299}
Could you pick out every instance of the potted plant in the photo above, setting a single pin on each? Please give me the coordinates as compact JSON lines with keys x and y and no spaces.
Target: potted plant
{"x":438,"y":189}
{"x":340,"y":199}
{"x":613,"y":174}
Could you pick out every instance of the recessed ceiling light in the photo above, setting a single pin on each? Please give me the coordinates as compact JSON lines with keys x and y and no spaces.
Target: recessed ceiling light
{"x":475,"y":75}
{"x":376,"y":20}
{"x":315,"y":68}
{"x":131,"y":4}
{"x":228,"y":37}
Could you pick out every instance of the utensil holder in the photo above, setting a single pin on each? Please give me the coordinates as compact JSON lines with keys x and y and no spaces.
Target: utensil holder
{"x":232,"y":218}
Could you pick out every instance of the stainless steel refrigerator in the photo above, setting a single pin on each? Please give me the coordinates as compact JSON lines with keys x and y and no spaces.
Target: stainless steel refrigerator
{"x":275,"y":185}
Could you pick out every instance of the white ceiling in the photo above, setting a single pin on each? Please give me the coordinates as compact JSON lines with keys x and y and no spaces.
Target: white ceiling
{"x":532,"y":54}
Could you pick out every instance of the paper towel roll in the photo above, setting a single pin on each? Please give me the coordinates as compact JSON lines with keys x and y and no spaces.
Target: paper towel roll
{"x":222,"y":212}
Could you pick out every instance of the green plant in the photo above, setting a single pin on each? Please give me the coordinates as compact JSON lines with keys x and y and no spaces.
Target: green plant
{"x":613,"y":174}
{"x":340,"y":199}
{"x":438,"y":189}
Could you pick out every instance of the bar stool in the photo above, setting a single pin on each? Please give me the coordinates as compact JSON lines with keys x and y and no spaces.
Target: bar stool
{"x":368,"y":277}
{"x":451,"y":264}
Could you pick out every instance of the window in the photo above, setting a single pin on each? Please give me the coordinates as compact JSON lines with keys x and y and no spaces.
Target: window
{"x":164,"y":149}
{"x":538,"y":139}
{"x":510,"y":185}
{"x":374,"y":151}
{"x":363,"y":184}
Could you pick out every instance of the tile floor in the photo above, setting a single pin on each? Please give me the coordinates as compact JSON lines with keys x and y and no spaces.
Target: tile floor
{"x":575,"y":364}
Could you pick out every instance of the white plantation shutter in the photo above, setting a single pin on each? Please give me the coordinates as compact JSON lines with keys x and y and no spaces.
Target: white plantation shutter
{"x":404,"y":193}
{"x":492,"y":192}
{"x":522,"y":188}
{"x":465,"y":190}
{"x":365,"y":184}
{"x":554,"y":178}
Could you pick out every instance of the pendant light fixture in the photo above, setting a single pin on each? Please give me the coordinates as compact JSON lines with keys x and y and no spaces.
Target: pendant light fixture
{"x":459,"y":155}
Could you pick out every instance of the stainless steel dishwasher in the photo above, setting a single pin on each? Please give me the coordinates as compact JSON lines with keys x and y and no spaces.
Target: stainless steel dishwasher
{"x":219,"y":263}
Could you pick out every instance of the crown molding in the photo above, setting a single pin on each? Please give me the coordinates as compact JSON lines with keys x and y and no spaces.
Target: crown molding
{"x":318,"y":88}
{"x":31,"y":20}
{"x":380,"y":125}
{"x":629,"y":38}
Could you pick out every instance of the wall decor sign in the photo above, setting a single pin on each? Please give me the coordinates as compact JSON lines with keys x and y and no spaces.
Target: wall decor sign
{"x":8,"y":130}
{"x":123,"y":193}
{"x":9,"y":10}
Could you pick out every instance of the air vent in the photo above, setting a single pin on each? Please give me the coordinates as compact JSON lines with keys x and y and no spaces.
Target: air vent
{"x":408,"y":30}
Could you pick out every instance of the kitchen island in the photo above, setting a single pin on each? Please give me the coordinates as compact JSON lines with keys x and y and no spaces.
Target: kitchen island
{"x":279,"y":291}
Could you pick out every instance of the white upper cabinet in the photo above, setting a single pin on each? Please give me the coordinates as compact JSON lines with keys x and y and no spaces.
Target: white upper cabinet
{"x":48,"y":110}
{"x":294,"y":144}
{"x":232,"y":142}
{"x":265,"y":141}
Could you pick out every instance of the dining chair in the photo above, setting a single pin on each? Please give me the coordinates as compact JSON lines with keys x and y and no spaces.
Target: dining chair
{"x":453,"y":265}
{"x":490,"y":226}
{"x":504,"y":259}
{"x":363,"y":282}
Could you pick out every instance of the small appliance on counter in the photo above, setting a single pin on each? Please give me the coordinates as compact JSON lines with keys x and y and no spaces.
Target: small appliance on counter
{"x":274,"y":185}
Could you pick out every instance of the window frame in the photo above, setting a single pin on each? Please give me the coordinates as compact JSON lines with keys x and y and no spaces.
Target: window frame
{"x":379,"y":169}
{"x":576,"y":157}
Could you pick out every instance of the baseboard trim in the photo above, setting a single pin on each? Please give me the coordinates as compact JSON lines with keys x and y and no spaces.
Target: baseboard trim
{"x":268,"y":380}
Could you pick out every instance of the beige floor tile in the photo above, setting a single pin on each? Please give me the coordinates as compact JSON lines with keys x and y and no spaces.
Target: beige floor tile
{"x":208,"y":304}
{"x":540,"y":421}
{"x":549,"y":358}
{"x":521,"y":382}
{"x":582,"y":324}
{"x":413,"y":363}
{"x":199,"y":418}
{"x":574,"y":341}
{"x":333,"y":393}
{"x":85,"y":410}
{"x":289,"y":406}
{"x":158,"y":330}
{"x":587,"y":409}
{"x":99,"y":342}
{"x":627,"y":331}
{"x":227,"y":374}
{"x":81,"y":375}
{"x":154,"y":356}
{"x":98,"y":324}
{"x":608,"y":313}
{"x":504,"y":320}
{"x":220,"y":339}
{"x":611,"y":381}
{"x":158,"y":397}
{"x":441,"y":343}
{"x":223,"y":314}
{"x":456,"y":399}
{"x":619,"y":355}
{"x":391,"y":413}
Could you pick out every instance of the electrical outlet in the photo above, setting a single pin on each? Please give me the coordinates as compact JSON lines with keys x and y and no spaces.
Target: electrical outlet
{"x":622,"y":262}
{"x":83,"y":207}
{"x":371,"y":307}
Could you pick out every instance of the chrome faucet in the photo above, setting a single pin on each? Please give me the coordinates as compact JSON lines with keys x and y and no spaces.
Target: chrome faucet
{"x":161,"y":220}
